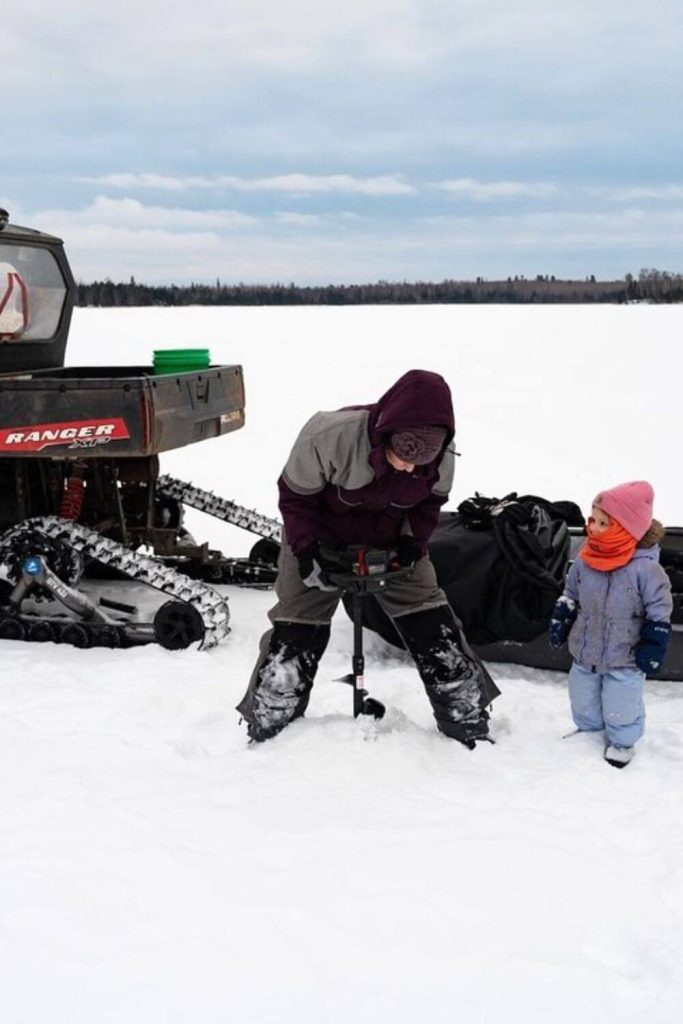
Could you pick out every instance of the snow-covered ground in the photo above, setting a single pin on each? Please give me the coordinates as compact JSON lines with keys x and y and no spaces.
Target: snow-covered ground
{"x":156,"y":870}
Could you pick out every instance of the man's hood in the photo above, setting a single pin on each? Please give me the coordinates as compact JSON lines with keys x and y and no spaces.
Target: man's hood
{"x":418,"y":398}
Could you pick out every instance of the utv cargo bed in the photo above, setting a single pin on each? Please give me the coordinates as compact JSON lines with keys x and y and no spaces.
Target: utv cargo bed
{"x":117,"y":411}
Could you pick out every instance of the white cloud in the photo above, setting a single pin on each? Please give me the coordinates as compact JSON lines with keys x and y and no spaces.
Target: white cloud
{"x":224,"y":36}
{"x":130,"y":213}
{"x":438,"y":89}
{"x":216,"y":37}
{"x":482,"y":191}
{"x":383,"y":185}
{"x":635,"y":193}
{"x":300,"y":219}
{"x":563,"y":230}
{"x":117,"y":238}
{"x":338,"y":219}
{"x":158,"y":182}
{"x":302,"y":184}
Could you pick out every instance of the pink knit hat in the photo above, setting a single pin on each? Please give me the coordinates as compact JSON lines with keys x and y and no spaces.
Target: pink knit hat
{"x":630,"y":504}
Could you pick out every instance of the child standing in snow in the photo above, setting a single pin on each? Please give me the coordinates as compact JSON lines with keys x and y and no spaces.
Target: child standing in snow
{"x":615,"y":610}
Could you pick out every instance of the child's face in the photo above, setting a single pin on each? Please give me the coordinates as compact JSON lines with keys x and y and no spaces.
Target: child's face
{"x":599,"y":521}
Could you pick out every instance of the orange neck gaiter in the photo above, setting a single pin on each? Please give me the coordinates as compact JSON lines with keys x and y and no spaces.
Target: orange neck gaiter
{"x":609,"y":550}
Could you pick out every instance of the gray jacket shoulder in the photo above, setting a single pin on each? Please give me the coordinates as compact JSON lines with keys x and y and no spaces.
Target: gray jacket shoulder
{"x":332,"y":448}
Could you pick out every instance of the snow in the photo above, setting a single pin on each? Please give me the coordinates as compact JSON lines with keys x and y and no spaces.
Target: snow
{"x":153,"y":868}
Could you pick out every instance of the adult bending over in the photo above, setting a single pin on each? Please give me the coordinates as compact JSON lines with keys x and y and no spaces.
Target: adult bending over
{"x":372,"y":475}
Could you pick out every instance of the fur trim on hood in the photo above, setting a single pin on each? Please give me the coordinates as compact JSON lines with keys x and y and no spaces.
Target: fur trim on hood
{"x":653,"y":536}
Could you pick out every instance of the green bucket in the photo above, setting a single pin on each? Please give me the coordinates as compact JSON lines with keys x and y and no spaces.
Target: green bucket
{"x":180,"y":360}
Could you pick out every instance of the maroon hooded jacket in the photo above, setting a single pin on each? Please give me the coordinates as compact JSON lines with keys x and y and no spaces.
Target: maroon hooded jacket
{"x":338,"y":487}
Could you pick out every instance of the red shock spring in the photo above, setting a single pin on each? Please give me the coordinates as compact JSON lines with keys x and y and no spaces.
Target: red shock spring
{"x":72,"y":499}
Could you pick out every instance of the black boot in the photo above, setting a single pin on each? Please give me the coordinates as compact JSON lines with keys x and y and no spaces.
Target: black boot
{"x":458,"y":685}
{"x":280,"y":688}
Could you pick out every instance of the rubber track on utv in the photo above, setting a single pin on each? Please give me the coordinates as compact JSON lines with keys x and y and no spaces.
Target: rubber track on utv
{"x":220,"y":508}
{"x":210,"y":606}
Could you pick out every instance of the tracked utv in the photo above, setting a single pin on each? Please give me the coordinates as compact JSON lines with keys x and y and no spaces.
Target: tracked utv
{"x":79,"y":475}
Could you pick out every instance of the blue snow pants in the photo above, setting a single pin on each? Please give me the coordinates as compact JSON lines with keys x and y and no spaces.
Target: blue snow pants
{"x":612,"y":701}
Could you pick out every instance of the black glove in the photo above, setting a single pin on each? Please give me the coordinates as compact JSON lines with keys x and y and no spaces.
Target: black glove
{"x":408,"y":551}
{"x":651,"y":650}
{"x":311,"y":570}
{"x":561,"y":621}
{"x":316,"y":563}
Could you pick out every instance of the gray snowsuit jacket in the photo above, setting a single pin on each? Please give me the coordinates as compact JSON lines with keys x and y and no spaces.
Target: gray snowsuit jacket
{"x":613,"y":606}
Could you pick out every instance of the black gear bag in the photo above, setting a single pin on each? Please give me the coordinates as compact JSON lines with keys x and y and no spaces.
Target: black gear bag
{"x":501,"y":563}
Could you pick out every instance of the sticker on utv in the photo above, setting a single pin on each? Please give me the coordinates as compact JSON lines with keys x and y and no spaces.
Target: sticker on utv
{"x":73,"y":434}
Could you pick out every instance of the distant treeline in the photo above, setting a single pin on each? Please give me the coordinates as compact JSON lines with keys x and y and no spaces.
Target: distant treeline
{"x":648,"y":286}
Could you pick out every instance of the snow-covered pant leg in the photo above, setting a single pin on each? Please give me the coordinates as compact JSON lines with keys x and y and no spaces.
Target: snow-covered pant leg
{"x":280,"y":685}
{"x":623,"y":707}
{"x":585,"y":698}
{"x":456,"y":682}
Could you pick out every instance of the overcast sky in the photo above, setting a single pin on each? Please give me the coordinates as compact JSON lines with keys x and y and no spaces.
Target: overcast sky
{"x":315,"y":142}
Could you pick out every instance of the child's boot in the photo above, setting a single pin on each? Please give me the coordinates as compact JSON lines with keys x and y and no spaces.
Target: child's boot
{"x":618,"y":756}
